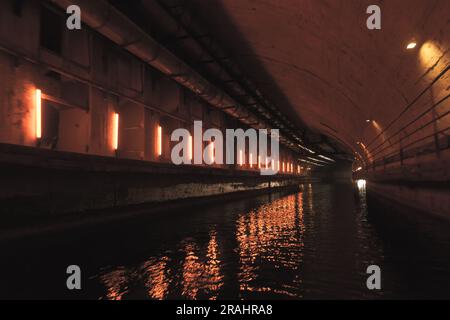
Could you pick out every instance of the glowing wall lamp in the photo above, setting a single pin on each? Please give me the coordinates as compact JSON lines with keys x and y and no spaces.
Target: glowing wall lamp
{"x":251,"y":160}
{"x":116,"y":131}
{"x":159,"y":140}
{"x":259,"y":162}
{"x":411,"y":45}
{"x":190,"y":147}
{"x":240,"y":158}
{"x":38,"y":97}
{"x":211,"y":152}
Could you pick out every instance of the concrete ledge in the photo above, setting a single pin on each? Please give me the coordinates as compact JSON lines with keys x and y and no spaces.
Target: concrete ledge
{"x":51,"y":223}
{"x":430,"y":198}
{"x":420,"y":184}
{"x":42,"y":185}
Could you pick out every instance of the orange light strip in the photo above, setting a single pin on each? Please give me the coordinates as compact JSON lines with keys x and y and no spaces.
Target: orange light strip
{"x":159,"y":141}
{"x":240,"y":158}
{"x":190,"y":147}
{"x":211,"y":152}
{"x":38,"y":113}
{"x":116,"y":131}
{"x":251,"y":160}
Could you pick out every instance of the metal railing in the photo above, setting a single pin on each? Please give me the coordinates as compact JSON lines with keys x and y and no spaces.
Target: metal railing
{"x":404,"y":151}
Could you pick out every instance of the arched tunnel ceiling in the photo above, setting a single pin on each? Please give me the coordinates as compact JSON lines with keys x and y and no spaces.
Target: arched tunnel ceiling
{"x":318,"y":62}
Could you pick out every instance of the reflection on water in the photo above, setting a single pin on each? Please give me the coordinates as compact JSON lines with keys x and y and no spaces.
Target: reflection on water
{"x":316,"y":243}
{"x":361,"y":184}
{"x":198,"y":276}
{"x":270,"y":237}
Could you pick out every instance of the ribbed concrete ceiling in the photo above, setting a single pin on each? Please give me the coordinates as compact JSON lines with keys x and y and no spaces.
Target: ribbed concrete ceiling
{"x":318,"y":62}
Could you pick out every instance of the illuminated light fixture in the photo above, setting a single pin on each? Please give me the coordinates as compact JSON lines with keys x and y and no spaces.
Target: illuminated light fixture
{"x":361,"y":184}
{"x":317,"y":160}
{"x":38,"y":113}
{"x":298,"y":168}
{"x":251,"y":160}
{"x":326,"y":158}
{"x":273,"y":164}
{"x":278,"y":165}
{"x":267,"y":163}
{"x":305,"y":148}
{"x":283,"y":166}
{"x":211,"y":152}
{"x":190,"y":147}
{"x":240,"y":158}
{"x":116,"y":131}
{"x":313,"y":163}
{"x":159,"y":140}
{"x":411,"y":45}
{"x":368,"y":120}
{"x":259,"y":162}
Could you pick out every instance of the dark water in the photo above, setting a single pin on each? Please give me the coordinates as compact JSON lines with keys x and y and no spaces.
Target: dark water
{"x":313,"y":244}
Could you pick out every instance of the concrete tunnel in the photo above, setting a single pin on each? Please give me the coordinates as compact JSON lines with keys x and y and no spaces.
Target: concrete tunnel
{"x":87,"y":115}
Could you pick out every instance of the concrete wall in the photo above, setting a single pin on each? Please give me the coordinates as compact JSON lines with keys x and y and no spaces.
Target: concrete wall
{"x":429,"y":198}
{"x":420,"y":184}
{"x":340,"y":171}
{"x":85,"y":80}
{"x":43,"y":186}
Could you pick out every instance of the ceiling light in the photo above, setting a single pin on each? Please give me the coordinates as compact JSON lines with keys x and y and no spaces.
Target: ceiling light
{"x":326,"y":158}
{"x":411,"y":45}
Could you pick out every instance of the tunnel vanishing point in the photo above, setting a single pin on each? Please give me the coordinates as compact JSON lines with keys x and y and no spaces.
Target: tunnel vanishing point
{"x":86,"y":116}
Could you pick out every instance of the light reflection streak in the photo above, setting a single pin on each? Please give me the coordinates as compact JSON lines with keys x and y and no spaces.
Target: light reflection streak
{"x":202,"y":277}
{"x":191,"y":272}
{"x":271,"y":236}
{"x":157,"y":278}
{"x":116,"y":283}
